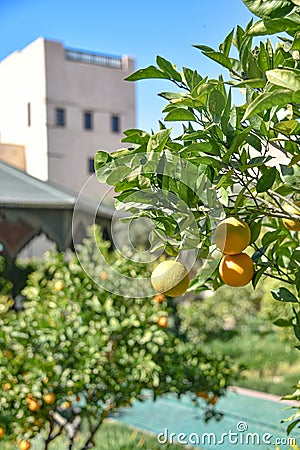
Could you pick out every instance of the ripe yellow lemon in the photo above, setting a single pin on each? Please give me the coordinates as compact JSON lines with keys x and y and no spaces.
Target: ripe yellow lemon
{"x":290,"y":224}
{"x":232,"y":236}
{"x":236,"y":270}
{"x":171,"y":278}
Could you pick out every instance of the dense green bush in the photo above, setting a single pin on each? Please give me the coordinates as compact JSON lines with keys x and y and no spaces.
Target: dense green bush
{"x":95,"y":350}
{"x":226,"y":312}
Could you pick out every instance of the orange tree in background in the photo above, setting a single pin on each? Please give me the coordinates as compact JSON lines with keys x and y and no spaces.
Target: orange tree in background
{"x":248,"y":153}
{"x":78,"y":352}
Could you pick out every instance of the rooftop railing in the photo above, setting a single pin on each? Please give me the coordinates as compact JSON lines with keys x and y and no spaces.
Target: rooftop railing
{"x":97,"y":59}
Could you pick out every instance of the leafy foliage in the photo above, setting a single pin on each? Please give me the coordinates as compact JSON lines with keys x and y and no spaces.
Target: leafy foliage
{"x":94,"y":350}
{"x":229,"y":160}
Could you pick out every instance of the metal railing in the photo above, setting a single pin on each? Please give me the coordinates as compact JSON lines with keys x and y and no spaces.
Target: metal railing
{"x":97,"y":59}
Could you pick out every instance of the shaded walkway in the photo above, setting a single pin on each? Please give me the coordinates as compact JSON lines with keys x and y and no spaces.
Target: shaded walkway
{"x":250,"y":421}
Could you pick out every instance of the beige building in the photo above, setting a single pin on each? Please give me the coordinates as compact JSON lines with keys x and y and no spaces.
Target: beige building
{"x":62,"y":105}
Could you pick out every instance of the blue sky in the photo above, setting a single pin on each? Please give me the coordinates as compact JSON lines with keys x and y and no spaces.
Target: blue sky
{"x":139,"y":28}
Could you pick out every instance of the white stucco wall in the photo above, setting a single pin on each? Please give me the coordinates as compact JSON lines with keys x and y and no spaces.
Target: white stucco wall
{"x":22,"y":81}
{"x":41,"y":75}
{"x":78,"y":87}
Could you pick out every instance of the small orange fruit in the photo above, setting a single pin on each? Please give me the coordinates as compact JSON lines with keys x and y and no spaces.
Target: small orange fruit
{"x":8,"y":354}
{"x":213,"y":400}
{"x":33,"y":404}
{"x":25,"y":445}
{"x":37,"y":423}
{"x":103,"y":276}
{"x":162,"y":321}
{"x":236,"y":270}
{"x":2,"y":432}
{"x":159,"y":298}
{"x":59,"y":285}
{"x":49,"y":398}
{"x":66,"y":405}
{"x":232,"y":236}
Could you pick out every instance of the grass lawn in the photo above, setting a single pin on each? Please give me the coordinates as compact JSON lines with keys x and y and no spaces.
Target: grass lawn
{"x":112,"y":436}
{"x":270,"y":365}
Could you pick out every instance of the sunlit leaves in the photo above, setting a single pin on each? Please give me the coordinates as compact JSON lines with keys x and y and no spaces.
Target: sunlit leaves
{"x":270,"y":8}
{"x":267,"y":100}
{"x":267,"y":180}
{"x":284,"y":295}
{"x":286,"y":78}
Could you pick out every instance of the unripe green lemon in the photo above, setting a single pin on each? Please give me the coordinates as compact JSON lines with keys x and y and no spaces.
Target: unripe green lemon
{"x":171,"y":278}
{"x":232,"y":236}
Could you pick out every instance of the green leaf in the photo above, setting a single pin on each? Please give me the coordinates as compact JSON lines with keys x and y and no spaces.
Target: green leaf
{"x":171,"y":95}
{"x":295,"y":159}
{"x":257,"y":276}
{"x":210,"y":161}
{"x":158,"y":140}
{"x":286,"y":78}
{"x":170,"y":249}
{"x":192,"y":78}
{"x":118,"y":174}
{"x":292,"y":425}
{"x":238,"y":140}
{"x":226,"y":114}
{"x":180,"y":114}
{"x":288,"y":127}
{"x":101,"y":159}
{"x":283,"y":322}
{"x":215,"y":56}
{"x":270,"y":8}
{"x":267,"y":180}
{"x":254,"y":70}
{"x":102,"y":162}
{"x":148,"y":72}
{"x":266,"y":100}
{"x":255,"y":228}
{"x":168,"y":68}
{"x":269,"y":237}
{"x":284,"y":295}
{"x":210,"y":147}
{"x":226,"y":45}
{"x":254,"y":83}
{"x":216,"y":102}
{"x":135,"y":136}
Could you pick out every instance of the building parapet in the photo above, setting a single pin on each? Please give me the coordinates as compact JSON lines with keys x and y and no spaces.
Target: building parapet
{"x":97,"y":59}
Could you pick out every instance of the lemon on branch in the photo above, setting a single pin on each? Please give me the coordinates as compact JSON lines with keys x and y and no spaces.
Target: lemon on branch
{"x":232,"y":236}
{"x":236,"y":270}
{"x":171,"y":278}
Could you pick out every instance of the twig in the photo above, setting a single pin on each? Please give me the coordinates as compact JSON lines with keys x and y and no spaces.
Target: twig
{"x":94,"y":431}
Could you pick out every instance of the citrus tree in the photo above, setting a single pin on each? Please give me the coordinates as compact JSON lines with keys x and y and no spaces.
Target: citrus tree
{"x":78,"y":351}
{"x":232,"y":163}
